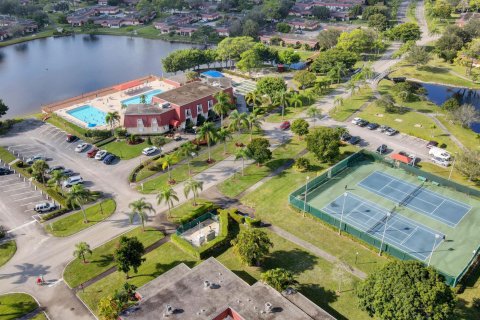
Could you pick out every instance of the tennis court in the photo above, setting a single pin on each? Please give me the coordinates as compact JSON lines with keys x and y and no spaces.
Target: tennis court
{"x":412,"y":237}
{"x":416,"y":197}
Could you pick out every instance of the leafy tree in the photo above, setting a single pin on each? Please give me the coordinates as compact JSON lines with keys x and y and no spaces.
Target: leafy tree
{"x":468,"y":164}
{"x":206,"y":33}
{"x":129,"y":255}
{"x":371,"y":10}
{"x":3,"y":108}
{"x":442,"y":9}
{"x":288,"y":56}
{"x":305,"y":78}
{"x":326,"y":60}
{"x":223,"y":104}
{"x":406,"y":32}
{"x":208,"y":132}
{"x":451,"y":104}
{"x":328,"y":39}
{"x":418,"y":56}
{"x":324,"y":143}
{"x":243,"y":154}
{"x":193,"y":186}
{"x":138,"y":208}
{"x":251,"y":28}
{"x":191,"y":75}
{"x":108,"y":309}
{"x":39,"y":169}
{"x":265,"y":53}
{"x":357,"y":41}
{"x":276,"y":9}
{"x":338,"y":71}
{"x":271,"y":85}
{"x":252,"y":245}
{"x":378,"y":22}
{"x":230,"y":49}
{"x":81,"y":250}
{"x":167,"y":195}
{"x":253,"y":99}
{"x":472,"y":27}
{"x":300,"y":127}
{"x":356,"y":10}
{"x":302,"y":164}
{"x":159,"y":141}
{"x":404,"y":290}
{"x":281,"y":97}
{"x":321,"y":12}
{"x":448,"y":45}
{"x":283,"y":27}
{"x":249,"y":60}
{"x":223,"y":135}
{"x":259,"y":150}
{"x":279,"y":279}
{"x":187,"y":150}
{"x":295,"y":100}
{"x":112,"y":118}
{"x":78,"y":195}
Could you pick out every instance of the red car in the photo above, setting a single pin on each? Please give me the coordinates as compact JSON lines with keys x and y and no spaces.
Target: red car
{"x":285,"y":125}
{"x":71,"y":138}
{"x":92,"y":153}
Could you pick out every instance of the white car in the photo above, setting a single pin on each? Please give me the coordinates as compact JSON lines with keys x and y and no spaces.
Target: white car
{"x":72,"y":181}
{"x":81,"y":147}
{"x":356,"y":120}
{"x":101,"y":154}
{"x":31,"y":160}
{"x":45,"y":207}
{"x":150,"y":150}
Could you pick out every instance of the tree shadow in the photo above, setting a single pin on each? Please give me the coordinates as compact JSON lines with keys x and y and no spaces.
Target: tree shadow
{"x":26,"y":271}
{"x":322,"y":297}
{"x":296,"y":261}
{"x":105,"y":260}
{"x":434,"y":69}
{"x":425,"y":110}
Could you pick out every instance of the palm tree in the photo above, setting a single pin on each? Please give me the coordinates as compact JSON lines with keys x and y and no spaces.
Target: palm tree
{"x":243,"y":154}
{"x":56,"y":179}
{"x":338,"y":70}
{"x":78,"y":195}
{"x":143,"y":99}
{"x":223,"y":135}
{"x":138,"y":209}
{"x":312,"y":112}
{"x":238,"y":121}
{"x":39,"y":169}
{"x":208,"y":132}
{"x":338,"y":101}
{"x":295,"y":100}
{"x":254,"y":122}
{"x":111,"y":118}
{"x":187,"y":150}
{"x":282,"y":99}
{"x":167,"y":195}
{"x":352,"y":86}
{"x":81,"y":249}
{"x":167,"y":161}
{"x":222,"y":106}
{"x":253,"y":98}
{"x":194,"y":187}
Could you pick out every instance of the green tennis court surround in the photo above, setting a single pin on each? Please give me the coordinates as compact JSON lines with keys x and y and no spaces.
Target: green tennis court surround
{"x":384,"y":204}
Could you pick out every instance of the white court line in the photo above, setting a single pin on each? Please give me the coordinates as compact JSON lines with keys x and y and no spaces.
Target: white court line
{"x":17,"y":200}
{"x":409,"y":236}
{"x":23,"y":225}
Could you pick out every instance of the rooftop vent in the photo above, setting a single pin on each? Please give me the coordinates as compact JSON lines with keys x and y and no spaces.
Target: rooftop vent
{"x":206,"y":284}
{"x":169,"y":310}
{"x":268,"y":307}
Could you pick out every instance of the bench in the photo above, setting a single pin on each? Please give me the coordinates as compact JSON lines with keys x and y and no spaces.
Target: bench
{"x":422,"y":178}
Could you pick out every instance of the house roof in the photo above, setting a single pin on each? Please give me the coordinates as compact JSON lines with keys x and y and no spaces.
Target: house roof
{"x":144,"y":109}
{"x":188,"y":93}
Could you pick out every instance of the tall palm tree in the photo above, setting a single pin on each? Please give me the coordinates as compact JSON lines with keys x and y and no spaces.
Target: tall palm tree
{"x":223,"y":105}
{"x":223,"y":135}
{"x":338,"y":101}
{"x":167,"y":161}
{"x":193,"y":186}
{"x":253,"y":98}
{"x":282,"y":99}
{"x":78,"y":195}
{"x":138,"y":209}
{"x":243,"y":154}
{"x":313,"y":112}
{"x":167,"y":195}
{"x":352,"y":86}
{"x":338,"y":70}
{"x":81,"y":249}
{"x":208,"y":132}
{"x":254,"y":122}
{"x":39,"y":169}
{"x":295,"y":101}
{"x":238,"y":121}
{"x":187,"y":150}
{"x":112,"y":118}
{"x":56,"y":179}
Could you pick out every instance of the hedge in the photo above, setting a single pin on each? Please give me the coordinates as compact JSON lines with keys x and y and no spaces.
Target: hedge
{"x":253,"y":222}
{"x":132,"y":176}
{"x":105,"y":141}
{"x":204,"y":208}
{"x":53,"y":214}
{"x":232,"y":212}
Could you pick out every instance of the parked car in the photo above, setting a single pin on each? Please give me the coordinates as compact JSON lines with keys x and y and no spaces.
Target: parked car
{"x":391,"y":132}
{"x":440,"y":161}
{"x":68,"y":172}
{"x":354,"y":140}
{"x":363,"y":123}
{"x":356,"y":120}
{"x":432,"y":144}
{"x":440,"y":153}
{"x":71,"y":181}
{"x":109,"y":158}
{"x":382,"y":128}
{"x":55,"y":168}
{"x":45,"y":207}
{"x":345,"y":136}
{"x":372,"y":126}
{"x":285,"y":125}
{"x":382,"y":149}
{"x":150,"y":150}
{"x":81,"y":147}
{"x":31,"y":160}
{"x":5,"y":171}
{"x":101,"y":154}
{"x":91,"y":153}
{"x":71,"y":138}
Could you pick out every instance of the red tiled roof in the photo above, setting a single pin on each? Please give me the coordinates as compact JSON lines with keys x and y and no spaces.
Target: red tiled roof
{"x":127,"y":85}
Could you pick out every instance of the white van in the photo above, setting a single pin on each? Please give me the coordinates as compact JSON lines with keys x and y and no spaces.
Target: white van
{"x":72,"y":181}
{"x":440,"y":161}
{"x":439,"y":153}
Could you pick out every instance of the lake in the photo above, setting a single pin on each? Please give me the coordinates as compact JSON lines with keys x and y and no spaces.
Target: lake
{"x":51,"y":69}
{"x":438,"y":94}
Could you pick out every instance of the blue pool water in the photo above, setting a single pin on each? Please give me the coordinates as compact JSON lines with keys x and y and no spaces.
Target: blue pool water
{"x":136,"y":99}
{"x":90,"y":115}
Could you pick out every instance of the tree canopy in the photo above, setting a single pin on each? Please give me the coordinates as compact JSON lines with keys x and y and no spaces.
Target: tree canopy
{"x":288,"y":56}
{"x":279,"y":279}
{"x":252,"y":245}
{"x":271,"y":85}
{"x":405,"y":32}
{"x":324,"y":143}
{"x":129,"y":254}
{"x":259,"y":150}
{"x":300,"y":127}
{"x":321,"y":12}
{"x":326,"y":60}
{"x":358,"y":41}
{"x":328,"y":38}
{"x":305,"y":78}
{"x":3,"y":108}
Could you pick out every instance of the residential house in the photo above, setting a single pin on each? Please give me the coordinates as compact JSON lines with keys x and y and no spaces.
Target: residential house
{"x":186,"y":31}
{"x":210,"y":16}
{"x":102,"y":2}
{"x":302,"y":24}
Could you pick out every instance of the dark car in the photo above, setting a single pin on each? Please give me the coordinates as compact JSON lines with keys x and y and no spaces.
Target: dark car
{"x":363,"y":123}
{"x":109,"y":159}
{"x":372,"y":126}
{"x":382,"y":149}
{"x":71,"y":138}
{"x":391,"y":132}
{"x":285,"y":125}
{"x":354,"y":140}
{"x":345,"y":136}
{"x":68,"y":172}
{"x":432,"y":144}
{"x":5,"y":171}
{"x":92,"y":153}
{"x":55,"y":168}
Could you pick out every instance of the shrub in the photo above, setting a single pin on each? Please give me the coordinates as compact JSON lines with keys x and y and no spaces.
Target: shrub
{"x":106,"y":141}
{"x":53,"y":214}
{"x":302,"y":164}
{"x":253,"y":223}
{"x":200,"y":210}
{"x":159,"y":141}
{"x":3,"y":232}
{"x":98,"y":134}
{"x":120,"y":133}
{"x":149,"y":141}
{"x":233,"y":213}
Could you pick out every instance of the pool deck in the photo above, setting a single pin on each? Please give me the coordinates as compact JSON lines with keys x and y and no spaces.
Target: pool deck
{"x":107,"y":100}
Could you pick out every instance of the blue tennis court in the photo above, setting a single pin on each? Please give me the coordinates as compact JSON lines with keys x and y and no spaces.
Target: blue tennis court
{"x":416,"y":197}
{"x":407,"y":235}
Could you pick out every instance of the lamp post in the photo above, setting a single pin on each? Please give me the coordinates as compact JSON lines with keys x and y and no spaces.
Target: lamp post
{"x":384,"y":231}
{"x":305,"y":197}
{"x":356,"y":258}
{"x":433,"y":249}
{"x":341,"y":216}
{"x":451,"y":169}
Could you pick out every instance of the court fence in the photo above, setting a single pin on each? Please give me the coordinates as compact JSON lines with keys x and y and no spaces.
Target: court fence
{"x":193,"y":223}
{"x":297,"y":200}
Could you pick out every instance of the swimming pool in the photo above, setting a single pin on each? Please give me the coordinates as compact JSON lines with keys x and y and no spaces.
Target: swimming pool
{"x":136,"y":99}
{"x":90,"y":115}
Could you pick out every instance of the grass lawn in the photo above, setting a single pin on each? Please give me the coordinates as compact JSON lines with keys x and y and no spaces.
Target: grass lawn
{"x":304,"y":54}
{"x":157,"y":262}
{"x":315,"y":277}
{"x":7,"y":250}
{"x":184,"y":209}
{"x":270,"y":202}
{"x":289,"y":114}
{"x":411,"y":12}
{"x":351,"y":105}
{"x":236,"y":184}
{"x":445,"y":172}
{"x":101,"y":259}
{"x":468,"y":137}
{"x":40,"y":316}
{"x":124,"y":150}
{"x":74,"y":223}
{"x":16,"y":305}
{"x":6,"y":156}
{"x":465,"y":308}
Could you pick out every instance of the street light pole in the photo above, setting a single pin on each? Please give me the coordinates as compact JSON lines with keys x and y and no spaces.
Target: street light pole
{"x":383,"y":235}
{"x":341,"y":216}
{"x":451,"y":169}
{"x":305,"y":197}
{"x":433,"y":249}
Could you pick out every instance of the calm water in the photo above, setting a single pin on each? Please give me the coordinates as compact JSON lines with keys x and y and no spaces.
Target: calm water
{"x":439,"y":94}
{"x":47,"y":70}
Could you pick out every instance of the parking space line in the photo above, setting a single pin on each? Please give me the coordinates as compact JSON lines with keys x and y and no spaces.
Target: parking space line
{"x":35,"y":196}
{"x":17,"y":194}
{"x":28,"y":210}
{"x":16,"y":189}
{"x":27,"y":204}
{"x":23,"y":225}
{"x":15,"y":179}
{"x":12,"y":184}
